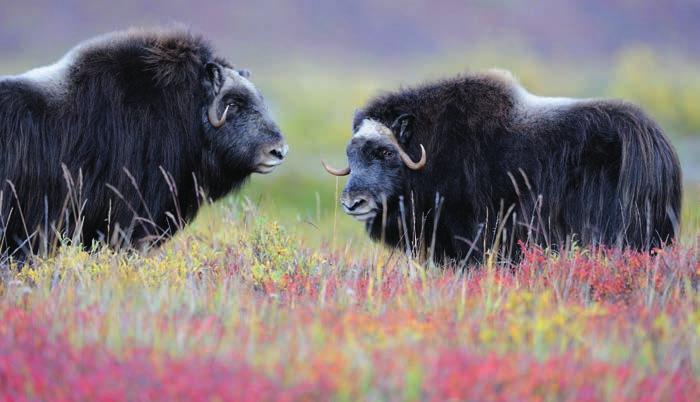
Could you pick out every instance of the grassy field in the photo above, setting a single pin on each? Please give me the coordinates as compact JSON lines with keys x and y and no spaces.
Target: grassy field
{"x":240,"y":308}
{"x":274,"y":294}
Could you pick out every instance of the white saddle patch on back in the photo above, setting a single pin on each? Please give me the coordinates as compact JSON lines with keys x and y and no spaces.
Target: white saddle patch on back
{"x":535,"y":102}
{"x":52,"y":78}
{"x":528,"y":106}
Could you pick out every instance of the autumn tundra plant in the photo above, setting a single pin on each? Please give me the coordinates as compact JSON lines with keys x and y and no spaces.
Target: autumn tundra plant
{"x":474,"y":162}
{"x":238,"y":308}
{"x":122,"y":139}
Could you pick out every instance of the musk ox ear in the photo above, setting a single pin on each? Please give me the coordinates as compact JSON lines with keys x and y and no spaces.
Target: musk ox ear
{"x":403,"y":127}
{"x":356,"y":118}
{"x":357,"y":114}
{"x":215,"y":77}
{"x":244,"y":73}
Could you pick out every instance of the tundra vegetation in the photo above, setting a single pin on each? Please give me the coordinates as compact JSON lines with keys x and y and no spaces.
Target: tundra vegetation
{"x":274,"y":294}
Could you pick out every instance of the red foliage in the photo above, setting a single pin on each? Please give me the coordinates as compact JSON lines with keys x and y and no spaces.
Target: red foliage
{"x":459,"y":375}
{"x":36,"y":365}
{"x":609,"y":274}
{"x":38,"y":362}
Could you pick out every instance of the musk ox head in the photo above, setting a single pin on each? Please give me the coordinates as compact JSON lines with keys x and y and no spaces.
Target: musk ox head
{"x":378,"y":165}
{"x":238,"y":124}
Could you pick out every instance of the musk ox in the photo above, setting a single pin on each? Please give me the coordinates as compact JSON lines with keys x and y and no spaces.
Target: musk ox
{"x":477,"y":162}
{"x":123,"y":137}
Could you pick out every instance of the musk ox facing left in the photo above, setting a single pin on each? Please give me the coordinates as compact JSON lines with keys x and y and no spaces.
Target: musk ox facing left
{"x":476,"y":162}
{"x":120,"y":139}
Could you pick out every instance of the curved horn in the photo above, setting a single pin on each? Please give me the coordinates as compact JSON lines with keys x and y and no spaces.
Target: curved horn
{"x":414,"y":165}
{"x":336,"y":172}
{"x":214,"y":119}
{"x":405,"y":157}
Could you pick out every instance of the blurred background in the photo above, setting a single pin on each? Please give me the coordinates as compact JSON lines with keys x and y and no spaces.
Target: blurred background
{"x":317,"y":61}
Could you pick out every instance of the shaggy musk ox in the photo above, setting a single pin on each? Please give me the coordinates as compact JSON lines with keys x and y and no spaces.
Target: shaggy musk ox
{"x":497,"y":165}
{"x":122,"y":138}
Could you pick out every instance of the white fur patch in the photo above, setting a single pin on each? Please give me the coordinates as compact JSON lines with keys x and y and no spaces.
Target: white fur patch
{"x":530,"y":107}
{"x":532,"y":101}
{"x":372,"y":129}
{"x":52,"y":78}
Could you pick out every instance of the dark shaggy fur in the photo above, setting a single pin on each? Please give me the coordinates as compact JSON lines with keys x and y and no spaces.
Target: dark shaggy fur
{"x":593,"y":171}
{"x":120,"y":147}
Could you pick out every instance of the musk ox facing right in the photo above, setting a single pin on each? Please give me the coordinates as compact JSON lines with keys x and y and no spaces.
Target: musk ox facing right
{"x":466,"y":164}
{"x":121,"y":139}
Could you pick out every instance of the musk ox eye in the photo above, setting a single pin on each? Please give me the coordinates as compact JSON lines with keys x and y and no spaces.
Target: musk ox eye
{"x":386,"y":153}
{"x":381,"y":154}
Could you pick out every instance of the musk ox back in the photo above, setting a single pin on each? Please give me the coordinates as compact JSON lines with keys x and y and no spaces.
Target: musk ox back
{"x":123,"y":138}
{"x":493,"y":165}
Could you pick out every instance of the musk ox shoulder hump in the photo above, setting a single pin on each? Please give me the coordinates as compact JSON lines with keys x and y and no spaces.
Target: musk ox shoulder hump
{"x":172,"y":56}
{"x":528,"y":107}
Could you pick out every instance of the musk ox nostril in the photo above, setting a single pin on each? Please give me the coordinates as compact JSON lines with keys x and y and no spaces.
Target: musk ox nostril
{"x":279,"y":151}
{"x":358,"y":202}
{"x":355,"y":203}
